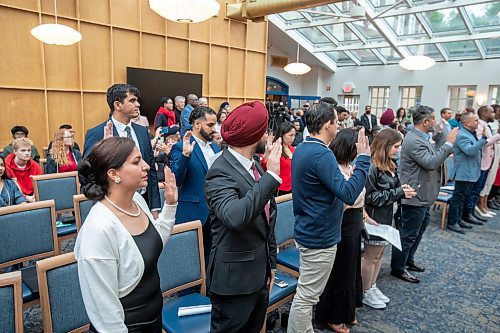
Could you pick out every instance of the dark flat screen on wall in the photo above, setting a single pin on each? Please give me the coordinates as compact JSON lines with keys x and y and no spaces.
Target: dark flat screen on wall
{"x":155,"y":84}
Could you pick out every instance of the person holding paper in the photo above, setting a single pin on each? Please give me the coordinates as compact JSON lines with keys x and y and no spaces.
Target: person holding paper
{"x":383,"y":190}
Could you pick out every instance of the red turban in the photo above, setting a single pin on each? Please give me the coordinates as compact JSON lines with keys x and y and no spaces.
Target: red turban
{"x":387,"y":117}
{"x":245,"y":125}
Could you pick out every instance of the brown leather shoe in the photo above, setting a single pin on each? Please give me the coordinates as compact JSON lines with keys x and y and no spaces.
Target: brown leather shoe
{"x":405,"y":276}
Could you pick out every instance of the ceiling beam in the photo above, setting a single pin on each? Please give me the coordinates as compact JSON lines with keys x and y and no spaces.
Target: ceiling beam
{"x":410,"y":42}
{"x":480,"y":48}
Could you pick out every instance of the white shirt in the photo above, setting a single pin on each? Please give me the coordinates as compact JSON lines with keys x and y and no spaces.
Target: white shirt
{"x":110,"y":264}
{"x":247,"y":164}
{"x":206,"y":149}
{"x":120,"y":128}
{"x":369,"y":116}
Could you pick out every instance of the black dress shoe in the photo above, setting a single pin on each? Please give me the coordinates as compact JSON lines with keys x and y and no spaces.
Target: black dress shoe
{"x":478,"y":217}
{"x":414,"y":267}
{"x":493,"y":205}
{"x":470,"y":219}
{"x":455,"y":228}
{"x":464,"y":225}
{"x":405,"y":275}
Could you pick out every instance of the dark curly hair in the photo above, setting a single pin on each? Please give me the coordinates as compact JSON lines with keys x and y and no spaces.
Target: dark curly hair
{"x":93,"y":171}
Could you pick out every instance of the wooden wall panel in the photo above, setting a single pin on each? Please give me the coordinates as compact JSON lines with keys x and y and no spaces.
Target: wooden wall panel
{"x":125,"y":13}
{"x":177,"y":55}
{"x":26,"y":4}
{"x":200,"y":31}
{"x":96,"y":56}
{"x":153,"y":51}
{"x":175,"y":29}
{"x":64,"y":8}
{"x":26,"y":108}
{"x":126,"y":48}
{"x":94,"y":11}
{"x":235,"y":102}
{"x":215,"y":102}
{"x":255,"y":75}
{"x":256,"y":36}
{"x":150,"y":21}
{"x":219,"y":29}
{"x":238,"y":30}
{"x":21,"y":53}
{"x":70,"y":104}
{"x":95,"y":109}
{"x":237,"y":73}
{"x":199,"y":62}
{"x":218,"y":71}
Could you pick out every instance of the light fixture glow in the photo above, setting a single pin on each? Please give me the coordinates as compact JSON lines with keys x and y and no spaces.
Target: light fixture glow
{"x":417,"y":63}
{"x":56,"y":34}
{"x":185,"y":11}
{"x":297,"y":68}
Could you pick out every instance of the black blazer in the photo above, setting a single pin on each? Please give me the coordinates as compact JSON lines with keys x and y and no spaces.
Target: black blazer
{"x":366,"y":124}
{"x":243,"y":246}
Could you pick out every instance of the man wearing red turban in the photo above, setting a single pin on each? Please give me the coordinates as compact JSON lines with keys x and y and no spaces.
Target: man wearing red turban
{"x":239,"y":193}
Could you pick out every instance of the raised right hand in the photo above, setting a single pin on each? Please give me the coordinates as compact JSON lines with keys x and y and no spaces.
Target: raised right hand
{"x":273,"y":159}
{"x":452,"y":136}
{"x":363,"y":145}
{"x":187,"y":146}
{"x":108,"y":130}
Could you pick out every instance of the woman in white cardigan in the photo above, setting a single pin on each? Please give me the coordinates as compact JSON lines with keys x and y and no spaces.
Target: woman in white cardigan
{"x":118,"y":247}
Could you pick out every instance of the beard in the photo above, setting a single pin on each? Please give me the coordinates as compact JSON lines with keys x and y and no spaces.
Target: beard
{"x":261,"y":147}
{"x":429,"y":129}
{"x":207,"y":136}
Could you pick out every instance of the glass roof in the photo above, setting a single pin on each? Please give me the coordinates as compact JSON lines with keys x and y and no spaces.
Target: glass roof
{"x":445,"y":30}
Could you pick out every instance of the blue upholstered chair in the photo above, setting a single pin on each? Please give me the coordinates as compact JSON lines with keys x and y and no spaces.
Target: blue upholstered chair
{"x":288,"y":257}
{"x":449,"y":173}
{"x":61,"y":187}
{"x":82,"y":208}
{"x":28,"y":232}
{"x":11,"y":303}
{"x":181,"y":266}
{"x":61,"y":299}
{"x":442,"y":201}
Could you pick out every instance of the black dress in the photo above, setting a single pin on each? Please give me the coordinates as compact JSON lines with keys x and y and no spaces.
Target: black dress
{"x":344,"y":290}
{"x":143,"y":305}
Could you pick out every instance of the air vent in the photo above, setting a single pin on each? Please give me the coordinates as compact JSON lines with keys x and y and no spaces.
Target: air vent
{"x":277,"y":61}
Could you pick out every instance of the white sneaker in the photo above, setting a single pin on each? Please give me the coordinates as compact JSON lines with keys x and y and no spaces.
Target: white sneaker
{"x":372,"y":301}
{"x":481,"y":213}
{"x":379,"y":294}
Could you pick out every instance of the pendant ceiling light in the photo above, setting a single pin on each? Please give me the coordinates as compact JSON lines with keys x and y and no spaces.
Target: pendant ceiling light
{"x":185,"y":11}
{"x":417,"y":63}
{"x":297,"y":68}
{"x":56,"y":34}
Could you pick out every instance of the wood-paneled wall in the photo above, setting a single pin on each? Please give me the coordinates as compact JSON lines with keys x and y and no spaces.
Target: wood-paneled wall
{"x":43,"y":86}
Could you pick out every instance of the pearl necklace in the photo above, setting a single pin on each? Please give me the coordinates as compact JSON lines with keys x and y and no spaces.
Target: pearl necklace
{"x":123,"y":210}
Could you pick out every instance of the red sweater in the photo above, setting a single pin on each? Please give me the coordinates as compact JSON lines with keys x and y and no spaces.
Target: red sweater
{"x":23,"y":176}
{"x":285,"y":171}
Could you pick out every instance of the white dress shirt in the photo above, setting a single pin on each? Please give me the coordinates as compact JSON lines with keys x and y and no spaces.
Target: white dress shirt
{"x":120,"y":128}
{"x":206,"y":149}
{"x":247,"y":164}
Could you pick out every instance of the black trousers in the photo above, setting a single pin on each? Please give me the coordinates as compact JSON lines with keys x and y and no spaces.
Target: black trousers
{"x":239,"y":313}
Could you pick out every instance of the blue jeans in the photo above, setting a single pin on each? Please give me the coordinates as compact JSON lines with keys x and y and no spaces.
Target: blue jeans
{"x":414,"y":221}
{"x":458,"y":202}
{"x":473,"y":197}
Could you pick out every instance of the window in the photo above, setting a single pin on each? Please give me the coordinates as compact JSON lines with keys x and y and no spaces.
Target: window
{"x":410,"y":96}
{"x":379,"y":99}
{"x":494,"y":95}
{"x":350,"y":102}
{"x":461,"y":97}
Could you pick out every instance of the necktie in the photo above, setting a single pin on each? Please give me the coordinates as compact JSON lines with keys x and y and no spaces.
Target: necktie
{"x":129,"y":133}
{"x":256,"y":175}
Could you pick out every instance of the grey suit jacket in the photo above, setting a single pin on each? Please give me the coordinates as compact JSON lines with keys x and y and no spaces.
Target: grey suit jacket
{"x":243,"y":246}
{"x":420,"y":167}
{"x":468,"y":153}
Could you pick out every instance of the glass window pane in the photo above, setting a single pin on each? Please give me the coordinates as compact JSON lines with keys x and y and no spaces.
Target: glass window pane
{"x":405,"y":25}
{"x":445,"y":20}
{"x":382,"y":3}
{"x":495,"y":95}
{"x":429,"y":50}
{"x":314,"y":35}
{"x":340,"y":58}
{"x":461,"y":49}
{"x":290,"y":16}
{"x":484,"y":15}
{"x":367,"y":30}
{"x":365,"y":56}
{"x":341,"y":32}
{"x":389,"y":54}
{"x":491,"y":46}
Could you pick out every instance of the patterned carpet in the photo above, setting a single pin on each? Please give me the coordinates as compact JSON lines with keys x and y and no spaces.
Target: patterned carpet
{"x":459,"y":292}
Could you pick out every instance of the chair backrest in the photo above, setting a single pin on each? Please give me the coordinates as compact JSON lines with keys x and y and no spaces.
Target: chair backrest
{"x":182,"y":263}
{"x":449,"y":169}
{"x":61,"y":298}
{"x":27,"y":232}
{"x":58,"y":186}
{"x":43,"y":162}
{"x":82,"y":208}
{"x":45,"y":152}
{"x":11,"y":302}
{"x":285,"y":220}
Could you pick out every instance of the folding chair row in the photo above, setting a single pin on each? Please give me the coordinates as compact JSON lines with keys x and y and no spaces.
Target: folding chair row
{"x":11,"y":303}
{"x":288,"y":258}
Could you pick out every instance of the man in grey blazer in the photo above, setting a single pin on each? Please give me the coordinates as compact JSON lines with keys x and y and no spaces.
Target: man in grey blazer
{"x":420,"y":168}
{"x":468,"y":152}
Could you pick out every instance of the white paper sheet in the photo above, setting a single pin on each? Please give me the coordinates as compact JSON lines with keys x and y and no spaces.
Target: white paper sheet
{"x":194,"y":310}
{"x":387,"y":232}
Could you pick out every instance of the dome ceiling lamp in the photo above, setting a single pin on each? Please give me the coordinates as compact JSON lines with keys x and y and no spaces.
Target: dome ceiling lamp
{"x":56,"y":34}
{"x":419,"y":62}
{"x":297,"y":68}
{"x":185,"y":11}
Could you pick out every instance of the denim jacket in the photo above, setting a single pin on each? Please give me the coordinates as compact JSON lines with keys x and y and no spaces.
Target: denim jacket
{"x":10,"y":195}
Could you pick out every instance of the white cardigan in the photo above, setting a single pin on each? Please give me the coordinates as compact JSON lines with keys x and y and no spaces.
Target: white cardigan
{"x":110,"y":264}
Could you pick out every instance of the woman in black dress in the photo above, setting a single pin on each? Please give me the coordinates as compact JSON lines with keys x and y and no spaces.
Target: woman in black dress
{"x":120,"y":242}
{"x":343,"y":292}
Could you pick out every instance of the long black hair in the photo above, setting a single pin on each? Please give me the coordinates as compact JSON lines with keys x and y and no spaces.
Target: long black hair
{"x":4,"y":176}
{"x":344,"y":146}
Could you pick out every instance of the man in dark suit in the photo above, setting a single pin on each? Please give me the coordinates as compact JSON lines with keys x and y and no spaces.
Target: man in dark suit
{"x":124,"y":106}
{"x":190,"y":160}
{"x":243,"y":215}
{"x":368,"y":120}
